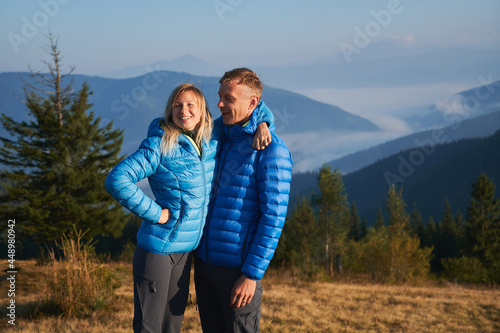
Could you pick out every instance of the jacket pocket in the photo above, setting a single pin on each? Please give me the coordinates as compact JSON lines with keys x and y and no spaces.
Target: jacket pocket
{"x":176,"y":224}
{"x":173,"y":232}
{"x":172,"y":221}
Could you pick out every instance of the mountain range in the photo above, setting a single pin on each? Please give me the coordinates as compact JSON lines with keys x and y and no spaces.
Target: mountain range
{"x":480,"y":126}
{"x":445,"y":173}
{"x":383,"y":64}
{"x":132,"y":103}
{"x":475,"y":102}
{"x":429,"y":175}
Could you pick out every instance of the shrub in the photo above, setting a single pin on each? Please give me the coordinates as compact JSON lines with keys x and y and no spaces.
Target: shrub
{"x":127,"y":252}
{"x":389,"y":256}
{"x":77,"y":282}
{"x":465,"y":269}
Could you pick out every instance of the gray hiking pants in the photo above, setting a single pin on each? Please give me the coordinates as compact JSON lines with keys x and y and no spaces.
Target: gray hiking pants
{"x":161,"y":289}
{"x":213,"y":291}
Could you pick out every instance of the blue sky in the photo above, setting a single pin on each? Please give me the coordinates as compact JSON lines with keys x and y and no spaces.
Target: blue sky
{"x":101,"y":36}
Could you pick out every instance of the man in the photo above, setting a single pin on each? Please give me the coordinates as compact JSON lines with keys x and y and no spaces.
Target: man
{"x":246,"y":213}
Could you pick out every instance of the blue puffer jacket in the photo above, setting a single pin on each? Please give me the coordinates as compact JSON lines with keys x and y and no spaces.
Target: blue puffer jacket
{"x":249,"y":203}
{"x":181,"y":182}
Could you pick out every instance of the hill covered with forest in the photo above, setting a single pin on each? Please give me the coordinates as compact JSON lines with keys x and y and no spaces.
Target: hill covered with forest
{"x":429,"y":175}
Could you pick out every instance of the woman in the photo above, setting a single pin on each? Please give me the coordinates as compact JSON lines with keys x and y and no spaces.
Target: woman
{"x":178,"y":157}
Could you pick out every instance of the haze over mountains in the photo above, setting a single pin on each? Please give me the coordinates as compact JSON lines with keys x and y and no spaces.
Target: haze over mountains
{"x":381,"y":95}
{"x":385,"y":63}
{"x":481,"y":121}
{"x":132,"y":103}
{"x":364,"y":117}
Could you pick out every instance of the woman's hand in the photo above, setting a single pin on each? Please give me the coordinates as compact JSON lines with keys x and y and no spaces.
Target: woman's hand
{"x":165,"y":215}
{"x":262,"y":137}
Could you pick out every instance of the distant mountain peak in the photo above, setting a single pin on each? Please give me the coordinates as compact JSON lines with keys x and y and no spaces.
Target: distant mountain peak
{"x":187,"y":63}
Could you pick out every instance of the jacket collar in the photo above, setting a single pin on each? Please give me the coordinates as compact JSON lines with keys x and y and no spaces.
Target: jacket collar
{"x":236,"y":131}
{"x":156,"y":129}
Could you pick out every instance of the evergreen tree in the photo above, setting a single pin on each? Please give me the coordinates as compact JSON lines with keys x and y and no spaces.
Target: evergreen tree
{"x":449,"y":235}
{"x":364,"y":228}
{"x":297,"y":244}
{"x":429,"y":232}
{"x":379,"y":222}
{"x":391,"y":253}
{"x":332,"y":216}
{"x":396,"y":208}
{"x":417,"y":224}
{"x":408,"y":259}
{"x":482,"y":228}
{"x":430,"y":236}
{"x":460,"y":222}
{"x":354,"y":224}
{"x":459,"y":219}
{"x":56,"y":163}
{"x":446,"y":244}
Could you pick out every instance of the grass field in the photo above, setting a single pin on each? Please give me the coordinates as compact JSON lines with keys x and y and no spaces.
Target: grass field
{"x":289,"y":305}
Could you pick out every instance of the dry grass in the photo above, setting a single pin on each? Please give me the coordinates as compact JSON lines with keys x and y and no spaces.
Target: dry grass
{"x":289,"y":305}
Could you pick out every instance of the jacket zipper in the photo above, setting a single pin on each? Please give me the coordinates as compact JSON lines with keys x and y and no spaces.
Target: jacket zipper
{"x":205,"y":197}
{"x":200,"y":157}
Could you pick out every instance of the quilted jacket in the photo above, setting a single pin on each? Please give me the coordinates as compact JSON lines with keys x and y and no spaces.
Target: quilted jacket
{"x":180,"y":181}
{"x":249,"y":202}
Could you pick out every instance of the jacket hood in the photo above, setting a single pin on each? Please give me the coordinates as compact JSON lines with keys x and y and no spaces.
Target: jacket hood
{"x":155,"y":128}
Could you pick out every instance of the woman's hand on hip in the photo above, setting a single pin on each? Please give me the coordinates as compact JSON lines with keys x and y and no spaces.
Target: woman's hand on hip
{"x":165,"y":215}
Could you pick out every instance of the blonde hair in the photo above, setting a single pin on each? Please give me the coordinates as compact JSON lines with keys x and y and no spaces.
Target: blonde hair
{"x":246,"y":77}
{"x":171,"y":130}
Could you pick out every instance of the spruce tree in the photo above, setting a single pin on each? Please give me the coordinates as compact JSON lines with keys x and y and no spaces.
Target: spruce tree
{"x":430,"y":239}
{"x":449,"y":235}
{"x":416,"y":223}
{"x":332,"y":215}
{"x":430,"y":232}
{"x":407,"y":258}
{"x":364,"y":228}
{"x":460,"y":222}
{"x":391,"y":253}
{"x":482,"y":228}
{"x":56,"y":162}
{"x":297,"y":245}
{"x":396,"y":209}
{"x":354,"y":224}
{"x":379,"y":222}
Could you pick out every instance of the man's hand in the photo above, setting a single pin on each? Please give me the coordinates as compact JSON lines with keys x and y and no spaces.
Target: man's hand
{"x":242,"y":293}
{"x":165,"y":215}
{"x":262,"y":137}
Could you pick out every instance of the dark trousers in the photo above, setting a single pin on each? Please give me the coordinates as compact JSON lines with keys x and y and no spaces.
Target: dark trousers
{"x":161,"y":289}
{"x":213,"y":291}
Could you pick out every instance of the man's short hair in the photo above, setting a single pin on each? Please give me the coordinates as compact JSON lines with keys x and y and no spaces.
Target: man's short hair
{"x":244,"y":76}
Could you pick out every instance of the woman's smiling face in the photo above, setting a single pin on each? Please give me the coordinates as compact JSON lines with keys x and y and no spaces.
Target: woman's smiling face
{"x":186,"y":112}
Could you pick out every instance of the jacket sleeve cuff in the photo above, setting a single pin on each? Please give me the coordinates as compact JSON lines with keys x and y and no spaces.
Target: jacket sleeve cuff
{"x":249,"y":277}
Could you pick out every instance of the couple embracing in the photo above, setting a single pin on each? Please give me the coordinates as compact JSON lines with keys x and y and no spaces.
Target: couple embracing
{"x":221,"y":190}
